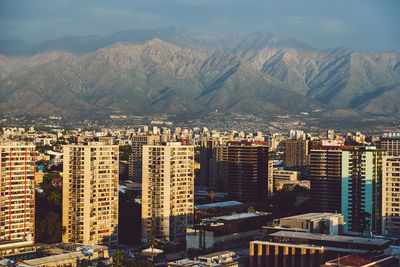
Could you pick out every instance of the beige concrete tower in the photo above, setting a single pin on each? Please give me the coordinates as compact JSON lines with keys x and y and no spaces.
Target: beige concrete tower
{"x":391,"y":196}
{"x":167,"y":191}
{"x":17,"y":198}
{"x":90,"y":194}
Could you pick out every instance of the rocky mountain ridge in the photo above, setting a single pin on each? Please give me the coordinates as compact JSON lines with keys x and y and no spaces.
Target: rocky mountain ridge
{"x":172,"y":71}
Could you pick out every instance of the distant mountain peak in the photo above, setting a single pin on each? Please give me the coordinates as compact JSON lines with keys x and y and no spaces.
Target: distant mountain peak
{"x":172,"y":70}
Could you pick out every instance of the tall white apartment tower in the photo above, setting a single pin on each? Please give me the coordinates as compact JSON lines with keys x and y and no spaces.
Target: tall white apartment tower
{"x":90,"y":194}
{"x":391,"y":196}
{"x":17,"y":198}
{"x":167,"y":191}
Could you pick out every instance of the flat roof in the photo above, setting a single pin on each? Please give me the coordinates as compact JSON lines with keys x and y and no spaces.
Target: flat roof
{"x":218,"y":205}
{"x":278,"y":227}
{"x":54,"y":258}
{"x":6,"y":244}
{"x":337,"y":238}
{"x":355,"y":260}
{"x":239,"y":216}
{"x":306,"y":246}
{"x":312,"y":215}
{"x":215,"y":254}
{"x":192,"y":263}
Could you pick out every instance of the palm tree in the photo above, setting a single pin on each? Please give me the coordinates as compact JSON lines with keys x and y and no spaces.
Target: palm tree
{"x":153,"y":241}
{"x":117,"y":258}
{"x":212,"y":196}
{"x":251,"y":209}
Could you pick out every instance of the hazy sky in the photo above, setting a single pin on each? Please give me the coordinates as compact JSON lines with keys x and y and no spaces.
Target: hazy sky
{"x":358,"y":24}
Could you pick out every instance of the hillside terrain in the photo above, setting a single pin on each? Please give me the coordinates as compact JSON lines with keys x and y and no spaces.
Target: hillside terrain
{"x":172,"y":71}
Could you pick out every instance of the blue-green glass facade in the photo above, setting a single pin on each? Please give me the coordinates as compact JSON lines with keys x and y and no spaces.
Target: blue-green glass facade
{"x":361,"y":189}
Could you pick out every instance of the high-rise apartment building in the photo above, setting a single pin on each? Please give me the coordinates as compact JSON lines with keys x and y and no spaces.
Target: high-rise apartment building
{"x":362,"y":189}
{"x":209,"y":173}
{"x":326,"y":177}
{"x":391,"y":196}
{"x":247,"y":171}
{"x":90,"y":194}
{"x":270,"y":181}
{"x":135,"y":158}
{"x":167,"y":191}
{"x":391,"y":145}
{"x":17,"y":198}
{"x":296,"y":154}
{"x":220,"y":168}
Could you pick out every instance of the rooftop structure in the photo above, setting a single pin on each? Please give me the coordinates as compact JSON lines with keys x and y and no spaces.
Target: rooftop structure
{"x":225,"y":229}
{"x":348,"y":242}
{"x":218,"y":205}
{"x":363,"y":261}
{"x":70,"y":259}
{"x":217,"y":259}
{"x":327,"y":223}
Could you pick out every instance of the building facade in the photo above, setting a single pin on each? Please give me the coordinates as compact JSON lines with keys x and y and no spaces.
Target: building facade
{"x":391,"y":196}
{"x":362,"y":189}
{"x":391,"y":145}
{"x":226,"y":231}
{"x":247,"y":170}
{"x":135,"y":158}
{"x":167,"y":191}
{"x":209,"y":169}
{"x":296,"y":154}
{"x":90,"y":194}
{"x":17,"y":198}
{"x":326,"y":178}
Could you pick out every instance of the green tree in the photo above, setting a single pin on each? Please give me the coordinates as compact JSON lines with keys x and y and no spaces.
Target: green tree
{"x":251,"y":209}
{"x":48,"y":211}
{"x":124,"y":152}
{"x":212,"y":195}
{"x":117,"y":258}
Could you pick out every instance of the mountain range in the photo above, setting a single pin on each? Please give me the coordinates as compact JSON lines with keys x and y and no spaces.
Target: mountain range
{"x":172,"y":71}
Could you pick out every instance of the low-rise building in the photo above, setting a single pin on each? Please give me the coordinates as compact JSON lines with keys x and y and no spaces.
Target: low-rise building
{"x":286,"y":248}
{"x":71,"y":258}
{"x":282,"y":177}
{"x":217,"y":259}
{"x":321,"y":223}
{"x":364,"y":261}
{"x":224,"y":230}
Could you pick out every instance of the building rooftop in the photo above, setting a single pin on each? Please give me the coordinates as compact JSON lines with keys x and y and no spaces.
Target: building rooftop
{"x":192,"y":263}
{"x":217,"y":254}
{"x":54,"y":258}
{"x":14,"y":243}
{"x":239,"y":216}
{"x":358,"y":261}
{"x":306,"y":246}
{"x":218,"y":205}
{"x":312,"y":216}
{"x":220,"y":258}
{"x":334,"y":238}
{"x":65,"y":256}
